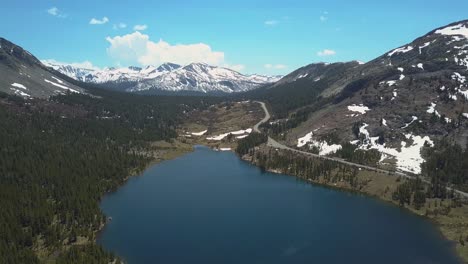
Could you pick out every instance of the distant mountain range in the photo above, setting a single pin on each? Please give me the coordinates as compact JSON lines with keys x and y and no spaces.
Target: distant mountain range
{"x":195,"y":77}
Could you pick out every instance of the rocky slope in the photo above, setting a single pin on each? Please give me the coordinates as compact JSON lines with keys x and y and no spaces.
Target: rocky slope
{"x":23,"y":74}
{"x":396,"y":104}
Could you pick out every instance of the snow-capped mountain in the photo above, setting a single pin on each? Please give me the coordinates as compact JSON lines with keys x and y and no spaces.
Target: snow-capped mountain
{"x":202,"y":77}
{"x":75,"y":72}
{"x":196,"y":77}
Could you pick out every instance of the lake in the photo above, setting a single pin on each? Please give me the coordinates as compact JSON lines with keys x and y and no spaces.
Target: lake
{"x":212,"y":207}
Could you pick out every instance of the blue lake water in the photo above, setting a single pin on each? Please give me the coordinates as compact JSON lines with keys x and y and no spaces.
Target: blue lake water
{"x":211,"y":207}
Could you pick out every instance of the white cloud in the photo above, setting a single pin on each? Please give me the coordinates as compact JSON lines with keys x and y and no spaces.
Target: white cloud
{"x":95,"y":21}
{"x":84,"y":64}
{"x":326,"y":52}
{"x":119,"y":26}
{"x":54,"y":11}
{"x":140,"y":27}
{"x":138,"y":48}
{"x":275,"y":66}
{"x":271,"y":22}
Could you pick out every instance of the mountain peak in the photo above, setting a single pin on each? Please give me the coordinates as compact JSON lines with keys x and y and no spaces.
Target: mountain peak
{"x":10,"y":51}
{"x":168,"y":66}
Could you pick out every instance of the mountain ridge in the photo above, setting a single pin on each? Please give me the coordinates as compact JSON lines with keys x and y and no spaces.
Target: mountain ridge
{"x":22,"y":74}
{"x":398,"y":104}
{"x":194,"y":77}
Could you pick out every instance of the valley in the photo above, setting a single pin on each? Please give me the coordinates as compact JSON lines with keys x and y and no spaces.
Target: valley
{"x":394,"y":128}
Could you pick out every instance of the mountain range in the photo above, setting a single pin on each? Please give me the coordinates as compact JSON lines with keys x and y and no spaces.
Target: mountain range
{"x":195,"y":77}
{"x":397,"y":103}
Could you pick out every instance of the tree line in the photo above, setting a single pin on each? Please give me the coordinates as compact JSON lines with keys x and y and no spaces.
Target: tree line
{"x":58,"y":157}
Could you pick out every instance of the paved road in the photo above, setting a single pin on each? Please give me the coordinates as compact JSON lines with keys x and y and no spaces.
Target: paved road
{"x":266,"y":118}
{"x":275,"y":144}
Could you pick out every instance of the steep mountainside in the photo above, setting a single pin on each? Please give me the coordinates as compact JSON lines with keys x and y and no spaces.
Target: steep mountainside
{"x":398,"y":103}
{"x":305,"y":85}
{"x":23,"y":74}
{"x":195,"y":77}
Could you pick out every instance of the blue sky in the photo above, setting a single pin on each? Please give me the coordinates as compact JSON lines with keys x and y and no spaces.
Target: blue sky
{"x":267,"y":37}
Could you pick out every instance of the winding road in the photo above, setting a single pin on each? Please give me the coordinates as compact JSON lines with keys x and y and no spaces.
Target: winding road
{"x":275,"y":144}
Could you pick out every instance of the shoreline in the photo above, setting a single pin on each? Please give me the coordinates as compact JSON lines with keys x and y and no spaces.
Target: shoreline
{"x":169,"y":155}
{"x":462,"y":255}
{"x":178,"y":152}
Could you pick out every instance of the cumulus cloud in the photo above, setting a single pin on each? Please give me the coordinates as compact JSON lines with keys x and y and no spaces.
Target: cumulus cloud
{"x":54,"y":11}
{"x":85,"y":64}
{"x":271,"y":22}
{"x":326,"y":52}
{"x":138,"y":48}
{"x":140,"y":27}
{"x":275,"y":66}
{"x":95,"y":21}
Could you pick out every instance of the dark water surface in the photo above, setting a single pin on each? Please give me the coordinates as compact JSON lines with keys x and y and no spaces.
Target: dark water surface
{"x":211,"y":207}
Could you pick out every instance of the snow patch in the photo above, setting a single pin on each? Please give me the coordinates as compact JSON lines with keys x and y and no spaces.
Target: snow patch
{"x":304,"y":140}
{"x":199,"y":133}
{"x":456,"y":30}
{"x":225,"y":149}
{"x":384,"y":122}
{"x":222,"y":136}
{"x":423,"y":46}
{"x":57,"y":79}
{"x":20,"y":93}
{"x":61,"y":86}
{"x":464,"y":93}
{"x":362,"y":109}
{"x":458,"y":77}
{"x":432,"y":110}
{"x":408,"y":159}
{"x":324,"y":148}
{"x":19,"y":85}
{"x":413,"y":119}
{"x":400,"y":50}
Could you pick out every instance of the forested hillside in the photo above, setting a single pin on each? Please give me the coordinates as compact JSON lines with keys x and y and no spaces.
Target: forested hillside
{"x":59,"y":156}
